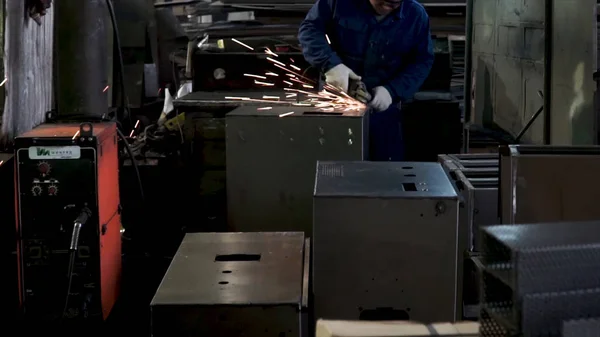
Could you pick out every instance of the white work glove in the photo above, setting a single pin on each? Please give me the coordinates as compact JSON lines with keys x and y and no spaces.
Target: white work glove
{"x":381,"y":99}
{"x":339,"y":76}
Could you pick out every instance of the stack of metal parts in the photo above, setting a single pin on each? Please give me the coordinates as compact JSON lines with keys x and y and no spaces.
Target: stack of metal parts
{"x":475,"y":177}
{"x":271,"y":160}
{"x":384,"y":234}
{"x":549,"y":183}
{"x":235,"y":284}
{"x":538,"y":278}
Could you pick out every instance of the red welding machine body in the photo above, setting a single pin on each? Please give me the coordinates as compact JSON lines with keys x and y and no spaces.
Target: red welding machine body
{"x":60,"y":170}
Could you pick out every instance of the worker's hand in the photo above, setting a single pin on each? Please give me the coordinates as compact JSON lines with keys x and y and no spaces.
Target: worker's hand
{"x":358,"y":91}
{"x":381,"y":99}
{"x":339,"y":76}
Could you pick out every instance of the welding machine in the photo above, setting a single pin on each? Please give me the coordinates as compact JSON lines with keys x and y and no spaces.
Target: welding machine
{"x":68,"y":223}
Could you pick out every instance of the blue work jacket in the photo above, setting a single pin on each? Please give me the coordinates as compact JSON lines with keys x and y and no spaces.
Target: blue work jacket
{"x":396,"y":52}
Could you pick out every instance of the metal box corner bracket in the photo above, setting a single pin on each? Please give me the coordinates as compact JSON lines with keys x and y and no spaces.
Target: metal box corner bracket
{"x":271,"y":160}
{"x":232,"y":284}
{"x":549,"y":183}
{"x":384,"y":234}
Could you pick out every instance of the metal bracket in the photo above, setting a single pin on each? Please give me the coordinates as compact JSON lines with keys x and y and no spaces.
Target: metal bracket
{"x":86,"y":130}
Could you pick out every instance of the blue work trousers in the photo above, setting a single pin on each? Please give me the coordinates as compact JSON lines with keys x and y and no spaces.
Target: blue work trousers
{"x":385,"y":135}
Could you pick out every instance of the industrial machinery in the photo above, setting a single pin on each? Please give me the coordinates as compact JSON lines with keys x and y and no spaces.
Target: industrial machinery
{"x":385,"y":234}
{"x":271,"y":160}
{"x":538,"y":276}
{"x":68,"y":223}
{"x":235,"y":284}
{"x":549,"y":183}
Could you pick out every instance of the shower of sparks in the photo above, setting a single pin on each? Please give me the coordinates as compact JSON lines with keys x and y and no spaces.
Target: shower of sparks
{"x":256,"y":76}
{"x":275,"y":61}
{"x":269,"y":52}
{"x":266,"y":84}
{"x":328,"y":40}
{"x":330,"y":99}
{"x":286,"y":114}
{"x":271,"y":97}
{"x":242,"y":44}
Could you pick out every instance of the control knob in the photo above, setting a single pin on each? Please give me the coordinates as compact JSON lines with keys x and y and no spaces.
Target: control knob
{"x":44,"y":168}
{"x":52,"y":190}
{"x":36,"y":190}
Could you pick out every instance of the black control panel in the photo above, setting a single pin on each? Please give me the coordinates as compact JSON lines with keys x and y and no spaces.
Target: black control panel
{"x":54,"y":187}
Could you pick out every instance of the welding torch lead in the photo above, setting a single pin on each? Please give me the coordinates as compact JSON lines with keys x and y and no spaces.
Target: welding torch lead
{"x":77,"y":224}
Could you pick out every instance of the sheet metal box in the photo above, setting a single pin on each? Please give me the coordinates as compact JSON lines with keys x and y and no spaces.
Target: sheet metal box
{"x":271,"y":162}
{"x":234,"y":284}
{"x":385,"y":234}
{"x":549,"y":183}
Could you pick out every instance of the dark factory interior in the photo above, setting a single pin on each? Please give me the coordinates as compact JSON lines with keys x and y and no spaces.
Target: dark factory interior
{"x":308,"y":168}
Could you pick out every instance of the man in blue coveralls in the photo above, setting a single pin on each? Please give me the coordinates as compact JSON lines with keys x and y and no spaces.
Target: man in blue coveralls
{"x":386,"y":44}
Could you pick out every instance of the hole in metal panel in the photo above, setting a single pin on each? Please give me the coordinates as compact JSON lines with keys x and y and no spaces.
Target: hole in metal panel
{"x":407,"y":167}
{"x":237,"y":258}
{"x":223,"y":282}
{"x":410,"y":175}
{"x":226,"y":272}
{"x":409,"y":187}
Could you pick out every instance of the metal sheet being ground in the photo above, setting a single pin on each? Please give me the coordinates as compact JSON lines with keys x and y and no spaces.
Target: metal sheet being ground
{"x":549,"y":183}
{"x":538,"y":258}
{"x":384,"y":234}
{"x":202,"y":99}
{"x":232,"y":284}
{"x":271,"y":162}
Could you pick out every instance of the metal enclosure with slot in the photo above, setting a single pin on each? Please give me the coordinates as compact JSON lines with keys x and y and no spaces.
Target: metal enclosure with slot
{"x":385,"y":234}
{"x":271,"y":160}
{"x":235,"y":284}
{"x":549,"y":183}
